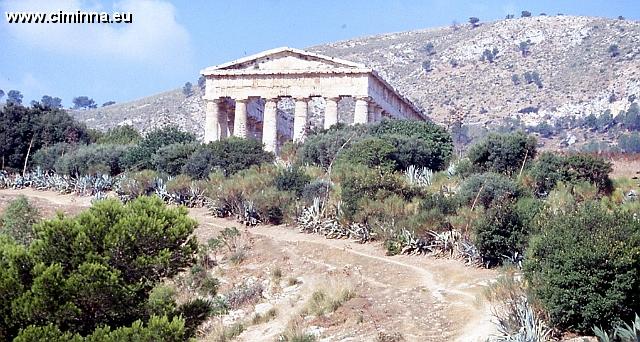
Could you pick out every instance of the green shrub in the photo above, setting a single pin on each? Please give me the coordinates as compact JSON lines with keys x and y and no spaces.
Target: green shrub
{"x":549,"y":169}
{"x":171,"y":159}
{"x":140,"y":156}
{"x":194,"y":312}
{"x":18,"y":219}
{"x":121,"y":135}
{"x":156,"y":329}
{"x":316,"y":189}
{"x":322,"y":148}
{"x":371,"y":152}
{"x":46,"y":157}
{"x":503,"y":153}
{"x":229,"y":156}
{"x":500,"y":234}
{"x":584,"y":266}
{"x":161,"y":301}
{"x":292,"y":179}
{"x":92,"y":159}
{"x":421,"y":138}
{"x":94,"y":269}
{"x":136,"y":184}
{"x":359,"y":182}
{"x":486,"y":188}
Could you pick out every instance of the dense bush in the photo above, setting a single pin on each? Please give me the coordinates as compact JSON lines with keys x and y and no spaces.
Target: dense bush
{"x":629,"y":143}
{"x":136,"y":184}
{"x":323,"y":147}
{"x":503,"y":153}
{"x":360,"y":182}
{"x":500,"y":233}
{"x":46,"y":157}
{"x":171,"y":159}
{"x":370,"y":151}
{"x":157,"y":329}
{"x":93,"y":159}
{"x":96,"y":269}
{"x":292,"y":179}
{"x":18,"y":219}
{"x":316,"y":189}
{"x":417,"y":143}
{"x":29,"y":129}
{"x":139,"y":157}
{"x":549,"y":169}
{"x":584,"y":267}
{"x":121,"y":135}
{"x":484,"y":189}
{"x":229,"y":156}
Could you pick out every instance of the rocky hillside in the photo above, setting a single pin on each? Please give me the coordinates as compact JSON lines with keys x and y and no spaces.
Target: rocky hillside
{"x":534,"y":70}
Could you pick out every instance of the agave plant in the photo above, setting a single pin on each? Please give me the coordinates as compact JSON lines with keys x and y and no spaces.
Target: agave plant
{"x":622,"y":333}
{"x":453,"y":244}
{"x":418,"y":176}
{"x":521,"y":324}
{"x":249,"y":216}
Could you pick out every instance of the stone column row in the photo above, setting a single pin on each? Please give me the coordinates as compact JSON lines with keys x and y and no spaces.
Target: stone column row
{"x":216,"y":120}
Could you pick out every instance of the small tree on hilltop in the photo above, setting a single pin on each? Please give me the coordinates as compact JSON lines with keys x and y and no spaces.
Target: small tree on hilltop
{"x":426,"y":66}
{"x":614,"y":50}
{"x":14,"y":97}
{"x":429,"y":49}
{"x":474,"y":21}
{"x":202,"y":82}
{"x":108,"y":103}
{"x":1,"y":93}
{"x":524,"y":48}
{"x":51,"y":102}
{"x":525,"y":14}
{"x":84,"y":102}
{"x":187,"y":89}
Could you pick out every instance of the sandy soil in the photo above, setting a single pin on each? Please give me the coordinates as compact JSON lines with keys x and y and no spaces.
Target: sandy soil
{"x":422,"y":298}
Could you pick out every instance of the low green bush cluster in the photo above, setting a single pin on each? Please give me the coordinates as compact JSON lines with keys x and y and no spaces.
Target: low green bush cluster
{"x":93,"y":159}
{"x":584,"y":266}
{"x":92,"y":275}
{"x":552,"y":168}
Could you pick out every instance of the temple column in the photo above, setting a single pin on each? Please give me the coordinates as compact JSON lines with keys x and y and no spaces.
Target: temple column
{"x":378,"y":113}
{"x":371,"y":112}
{"x":240,"y":119}
{"x":223,"y":122}
{"x":331,"y":112}
{"x":361,"y":115}
{"x":300,"y":119}
{"x":270,"y":125}
{"x":211,"y":121}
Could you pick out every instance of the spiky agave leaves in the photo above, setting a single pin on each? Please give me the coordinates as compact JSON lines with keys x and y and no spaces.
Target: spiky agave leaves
{"x":453,"y":244}
{"x":623,"y":333}
{"x":313,"y":219}
{"x":418,"y":176}
{"x":521,"y":324}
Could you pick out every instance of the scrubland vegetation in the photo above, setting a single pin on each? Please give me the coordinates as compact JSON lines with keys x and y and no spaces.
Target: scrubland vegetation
{"x":558,"y":220}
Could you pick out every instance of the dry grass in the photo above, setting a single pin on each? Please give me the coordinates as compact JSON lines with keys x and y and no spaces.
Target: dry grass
{"x":296,"y":332}
{"x":268,"y":316}
{"x":328,"y":299}
{"x":223,"y":333}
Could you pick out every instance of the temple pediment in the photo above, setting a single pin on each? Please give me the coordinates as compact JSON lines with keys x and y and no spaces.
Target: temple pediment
{"x":283,"y":60}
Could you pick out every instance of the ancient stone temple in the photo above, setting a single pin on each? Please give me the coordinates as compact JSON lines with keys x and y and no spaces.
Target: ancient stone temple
{"x":299,"y":77}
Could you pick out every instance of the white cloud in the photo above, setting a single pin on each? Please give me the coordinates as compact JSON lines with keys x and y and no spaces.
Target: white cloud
{"x":154,"y":37}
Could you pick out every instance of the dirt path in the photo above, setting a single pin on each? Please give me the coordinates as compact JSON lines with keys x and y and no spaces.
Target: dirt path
{"x":423,"y":298}
{"x":454,"y":288}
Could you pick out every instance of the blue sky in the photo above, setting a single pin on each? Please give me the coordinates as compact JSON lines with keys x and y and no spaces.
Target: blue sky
{"x":170,"y":41}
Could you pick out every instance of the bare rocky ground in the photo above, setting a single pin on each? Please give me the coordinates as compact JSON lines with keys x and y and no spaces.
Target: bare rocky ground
{"x":421,"y":298}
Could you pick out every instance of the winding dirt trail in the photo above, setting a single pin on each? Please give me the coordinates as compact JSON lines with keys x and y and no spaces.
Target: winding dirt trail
{"x":422,"y":298}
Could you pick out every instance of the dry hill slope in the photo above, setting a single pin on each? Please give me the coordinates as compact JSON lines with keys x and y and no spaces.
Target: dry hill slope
{"x":580,"y":73}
